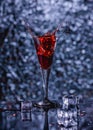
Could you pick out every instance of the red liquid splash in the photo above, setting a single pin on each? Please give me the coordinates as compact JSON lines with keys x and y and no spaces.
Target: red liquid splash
{"x":45,"y":49}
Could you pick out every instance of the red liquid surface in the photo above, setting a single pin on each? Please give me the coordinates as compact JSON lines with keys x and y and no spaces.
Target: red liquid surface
{"x":45,"y":49}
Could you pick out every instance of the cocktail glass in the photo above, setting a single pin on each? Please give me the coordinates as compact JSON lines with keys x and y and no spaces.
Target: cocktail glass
{"x":45,"y":48}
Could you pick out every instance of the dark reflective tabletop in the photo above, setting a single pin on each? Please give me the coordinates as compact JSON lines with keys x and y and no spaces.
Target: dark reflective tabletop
{"x":14,"y":116}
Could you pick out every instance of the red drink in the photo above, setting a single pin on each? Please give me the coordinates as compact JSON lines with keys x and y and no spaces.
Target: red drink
{"x":45,"y":49}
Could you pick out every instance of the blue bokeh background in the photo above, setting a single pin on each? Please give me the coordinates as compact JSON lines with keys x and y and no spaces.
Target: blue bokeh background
{"x":72,"y":69}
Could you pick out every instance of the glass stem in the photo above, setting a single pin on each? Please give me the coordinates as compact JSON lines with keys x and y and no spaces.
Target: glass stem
{"x":45,"y":75}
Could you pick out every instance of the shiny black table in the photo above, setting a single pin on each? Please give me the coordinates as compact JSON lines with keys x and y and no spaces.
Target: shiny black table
{"x":11,"y":117}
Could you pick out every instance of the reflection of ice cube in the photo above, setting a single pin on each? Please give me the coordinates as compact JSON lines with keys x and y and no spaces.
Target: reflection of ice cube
{"x":60,"y":113}
{"x":69,"y":102}
{"x":65,"y":103}
{"x":26,"y":116}
{"x":26,"y":110}
{"x":27,"y":105}
{"x":67,"y":115}
{"x":66,"y":118}
{"x":71,"y":128}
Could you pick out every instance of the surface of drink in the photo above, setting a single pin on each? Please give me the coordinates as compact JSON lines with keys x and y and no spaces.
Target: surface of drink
{"x":45,"y":49}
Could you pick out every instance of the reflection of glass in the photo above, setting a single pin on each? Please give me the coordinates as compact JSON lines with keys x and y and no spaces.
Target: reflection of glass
{"x":46,"y":125}
{"x":45,"y":47}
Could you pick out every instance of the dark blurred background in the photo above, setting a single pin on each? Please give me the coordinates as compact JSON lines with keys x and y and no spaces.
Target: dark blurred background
{"x":72,"y":69}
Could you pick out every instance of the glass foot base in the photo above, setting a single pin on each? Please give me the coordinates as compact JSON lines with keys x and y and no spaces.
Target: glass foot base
{"x":46,"y":104}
